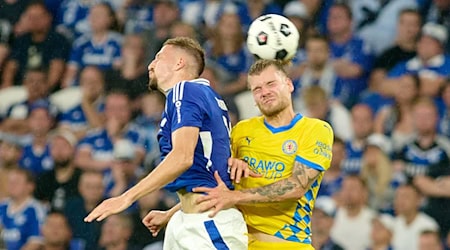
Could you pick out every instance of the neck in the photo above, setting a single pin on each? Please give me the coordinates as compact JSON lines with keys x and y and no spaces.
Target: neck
{"x":407,"y":45}
{"x":409,"y":217}
{"x":39,"y":140}
{"x":281,"y":119}
{"x":425,"y":140}
{"x":380,"y":245}
{"x":17,"y":203}
{"x":56,"y":246}
{"x":117,"y":246}
{"x":65,"y":173}
{"x":353,"y":211}
{"x":99,"y":36}
{"x":39,"y":36}
{"x":176,"y":78}
{"x":341,"y":37}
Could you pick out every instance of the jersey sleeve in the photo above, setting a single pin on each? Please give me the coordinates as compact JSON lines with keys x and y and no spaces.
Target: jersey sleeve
{"x":186,"y":106}
{"x":314,"y":150}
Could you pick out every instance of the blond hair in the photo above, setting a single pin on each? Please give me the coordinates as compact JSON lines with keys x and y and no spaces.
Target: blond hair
{"x":263,"y":64}
{"x":193,"y":48}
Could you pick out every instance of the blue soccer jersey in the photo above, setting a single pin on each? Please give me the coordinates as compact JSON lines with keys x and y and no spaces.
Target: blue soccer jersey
{"x":22,"y":225}
{"x":75,"y":117}
{"x":195,"y":104}
{"x":103,"y":55}
{"x":36,"y":161}
{"x":352,"y":163}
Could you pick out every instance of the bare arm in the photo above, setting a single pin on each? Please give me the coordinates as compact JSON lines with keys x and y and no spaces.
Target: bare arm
{"x":291,"y":188}
{"x":184,"y":141}
{"x":433,"y":187}
{"x":55,"y":72}
{"x":9,"y":72}
{"x":69,"y":76}
{"x":84,"y":160}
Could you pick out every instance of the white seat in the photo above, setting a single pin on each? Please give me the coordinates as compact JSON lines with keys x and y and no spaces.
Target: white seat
{"x":66,"y":99}
{"x":10,"y":96}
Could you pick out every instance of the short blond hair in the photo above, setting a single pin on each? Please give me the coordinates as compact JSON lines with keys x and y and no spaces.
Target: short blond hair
{"x":193,"y":48}
{"x":262,"y":64}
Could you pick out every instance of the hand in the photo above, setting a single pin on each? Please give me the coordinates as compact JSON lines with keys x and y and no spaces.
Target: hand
{"x":239,"y":169}
{"x":108,"y":207}
{"x":155,"y":220}
{"x":216,"y":199}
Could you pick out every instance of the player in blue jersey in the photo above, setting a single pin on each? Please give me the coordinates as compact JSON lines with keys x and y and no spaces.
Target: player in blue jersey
{"x":194,"y":142}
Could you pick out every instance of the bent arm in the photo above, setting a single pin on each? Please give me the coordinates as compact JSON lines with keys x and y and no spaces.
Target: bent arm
{"x":291,"y":188}
{"x":179,"y":159}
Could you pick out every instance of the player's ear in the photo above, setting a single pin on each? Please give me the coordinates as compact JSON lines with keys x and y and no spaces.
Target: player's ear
{"x":290,"y":84}
{"x":180,"y":63}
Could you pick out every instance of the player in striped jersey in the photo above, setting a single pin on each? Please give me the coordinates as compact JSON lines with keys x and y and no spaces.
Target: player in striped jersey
{"x":194,"y":142}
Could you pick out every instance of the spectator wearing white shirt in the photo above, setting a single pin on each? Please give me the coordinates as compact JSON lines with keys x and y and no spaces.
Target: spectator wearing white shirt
{"x":352,"y":224}
{"x":409,"y":221}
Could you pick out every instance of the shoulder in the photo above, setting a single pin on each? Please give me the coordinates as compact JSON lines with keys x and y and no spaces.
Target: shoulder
{"x":188,"y":90}
{"x":82,"y":41}
{"x":115,"y":37}
{"x":249,"y":123}
{"x":315,"y":124}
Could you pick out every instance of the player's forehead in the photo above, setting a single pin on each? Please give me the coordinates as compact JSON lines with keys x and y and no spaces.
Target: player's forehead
{"x":267,"y":75}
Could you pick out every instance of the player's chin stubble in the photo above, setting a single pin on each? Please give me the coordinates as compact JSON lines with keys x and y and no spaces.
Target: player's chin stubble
{"x":153,"y":84}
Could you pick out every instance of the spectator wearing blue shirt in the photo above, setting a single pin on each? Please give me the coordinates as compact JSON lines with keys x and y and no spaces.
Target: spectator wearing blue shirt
{"x":87,"y":114}
{"x":431,"y":64}
{"x":36,"y":155}
{"x":41,"y":47}
{"x":21,"y":215}
{"x":100,"y":48}
{"x":362,"y":122}
{"x":92,"y":190}
{"x":352,"y":58}
{"x":227,"y":52}
{"x":95,"y":151}
{"x":332,"y":179}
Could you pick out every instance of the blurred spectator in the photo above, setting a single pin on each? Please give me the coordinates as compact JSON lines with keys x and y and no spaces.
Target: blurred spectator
{"x":430,"y":240}
{"x":165,"y":14}
{"x":10,"y":153}
{"x":135,"y":15}
{"x":88,"y":113}
{"x":381,"y":233}
{"x":409,"y":221}
{"x":316,"y":71}
{"x":36,"y":85}
{"x":181,"y":29}
{"x":91,"y":191}
{"x":124,"y":170}
{"x":72,"y":18}
{"x":431,"y":63}
{"x":297,"y":13}
{"x":56,"y":232}
{"x":147,"y":122}
{"x":428,"y":148}
{"x":408,"y":31}
{"x":377,"y":172}
{"x":319,"y":106}
{"x":58,"y":185}
{"x":40,"y":47}
{"x":332,"y":178}
{"x":322,"y":221}
{"x":375,"y":21}
{"x":352,"y":58}
{"x":100,"y":48}
{"x":439,"y":13}
{"x":9,"y":16}
{"x":352,"y":224}
{"x":141,"y":235}
{"x":226,"y":51}
{"x":132,"y":75}
{"x":95,"y":151}
{"x":396,"y":120}
{"x":21,"y":215}
{"x":444,"y":121}
{"x":36,"y":154}
{"x":362,"y":123}
{"x":253,"y":9}
{"x":116,"y":232}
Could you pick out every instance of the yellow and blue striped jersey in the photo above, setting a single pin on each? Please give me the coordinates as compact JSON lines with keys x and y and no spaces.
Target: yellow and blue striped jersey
{"x":272,"y":152}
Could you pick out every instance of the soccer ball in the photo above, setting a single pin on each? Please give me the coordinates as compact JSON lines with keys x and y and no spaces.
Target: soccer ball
{"x":273,"y":37}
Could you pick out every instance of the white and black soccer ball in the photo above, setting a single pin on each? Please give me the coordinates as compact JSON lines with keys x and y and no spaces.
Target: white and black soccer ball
{"x":272,"y":37}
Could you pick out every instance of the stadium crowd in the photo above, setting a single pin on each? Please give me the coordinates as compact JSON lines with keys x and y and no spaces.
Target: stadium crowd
{"x":78,"y":124}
